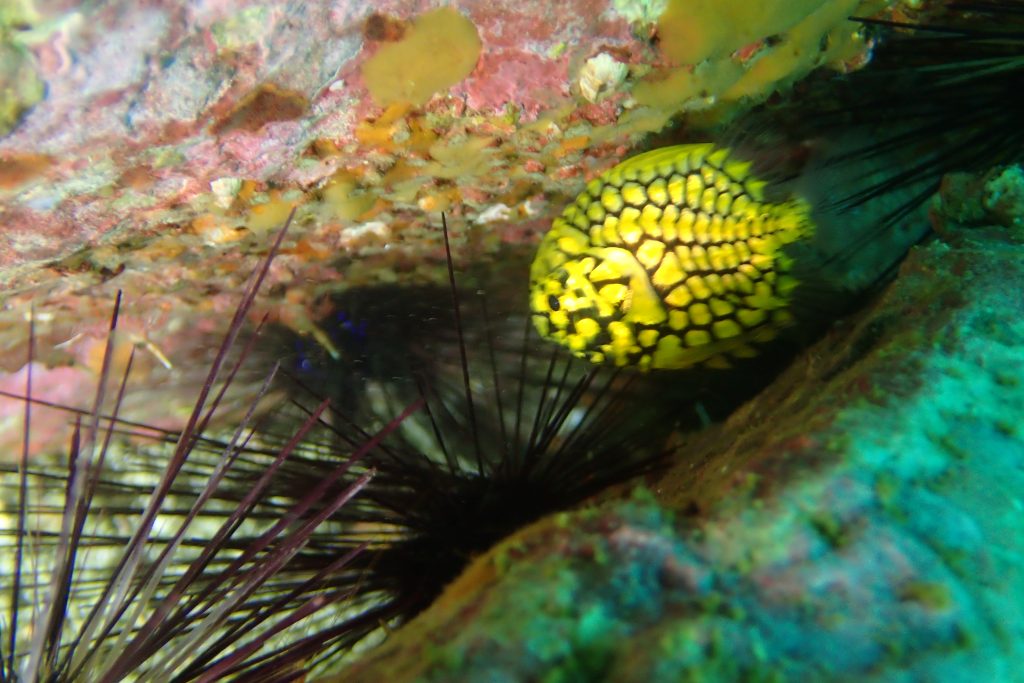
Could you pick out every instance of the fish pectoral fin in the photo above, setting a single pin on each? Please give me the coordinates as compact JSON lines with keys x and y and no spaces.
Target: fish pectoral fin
{"x":644,"y":306}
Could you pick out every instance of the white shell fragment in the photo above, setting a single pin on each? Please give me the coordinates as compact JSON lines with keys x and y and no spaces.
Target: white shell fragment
{"x":601,"y":75}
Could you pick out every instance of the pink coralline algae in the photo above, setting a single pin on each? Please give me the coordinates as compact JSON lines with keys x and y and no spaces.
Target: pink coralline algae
{"x":527,"y":82}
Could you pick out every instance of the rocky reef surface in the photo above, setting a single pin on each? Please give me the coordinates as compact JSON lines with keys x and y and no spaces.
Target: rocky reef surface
{"x":858,"y":520}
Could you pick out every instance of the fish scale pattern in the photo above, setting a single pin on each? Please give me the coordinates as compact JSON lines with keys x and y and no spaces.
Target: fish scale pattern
{"x":671,"y":259}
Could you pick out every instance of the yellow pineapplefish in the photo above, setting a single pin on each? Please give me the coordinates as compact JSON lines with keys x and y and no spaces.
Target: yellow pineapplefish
{"x":671,"y":259}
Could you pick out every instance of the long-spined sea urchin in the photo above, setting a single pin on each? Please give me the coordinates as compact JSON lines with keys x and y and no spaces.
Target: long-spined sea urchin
{"x":286,"y":535}
{"x":143,"y":570}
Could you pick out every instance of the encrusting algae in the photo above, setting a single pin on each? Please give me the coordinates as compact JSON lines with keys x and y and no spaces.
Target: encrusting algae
{"x":671,"y":259}
{"x":439,"y":50}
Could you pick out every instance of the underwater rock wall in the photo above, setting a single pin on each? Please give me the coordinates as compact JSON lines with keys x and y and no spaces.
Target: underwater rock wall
{"x":173,"y":137}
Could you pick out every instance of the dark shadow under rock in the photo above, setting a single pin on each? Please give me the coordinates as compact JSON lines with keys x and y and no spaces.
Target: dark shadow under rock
{"x":859,"y":520}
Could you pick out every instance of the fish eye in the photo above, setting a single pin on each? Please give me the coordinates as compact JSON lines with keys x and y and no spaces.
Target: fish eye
{"x":553,"y":302}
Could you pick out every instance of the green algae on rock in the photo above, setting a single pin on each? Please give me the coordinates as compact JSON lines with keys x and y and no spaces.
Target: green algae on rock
{"x":20,"y":85}
{"x":858,"y":519}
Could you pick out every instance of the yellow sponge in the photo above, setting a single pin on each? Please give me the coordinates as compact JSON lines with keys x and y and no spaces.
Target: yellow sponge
{"x":694,"y":30}
{"x":439,"y":50}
